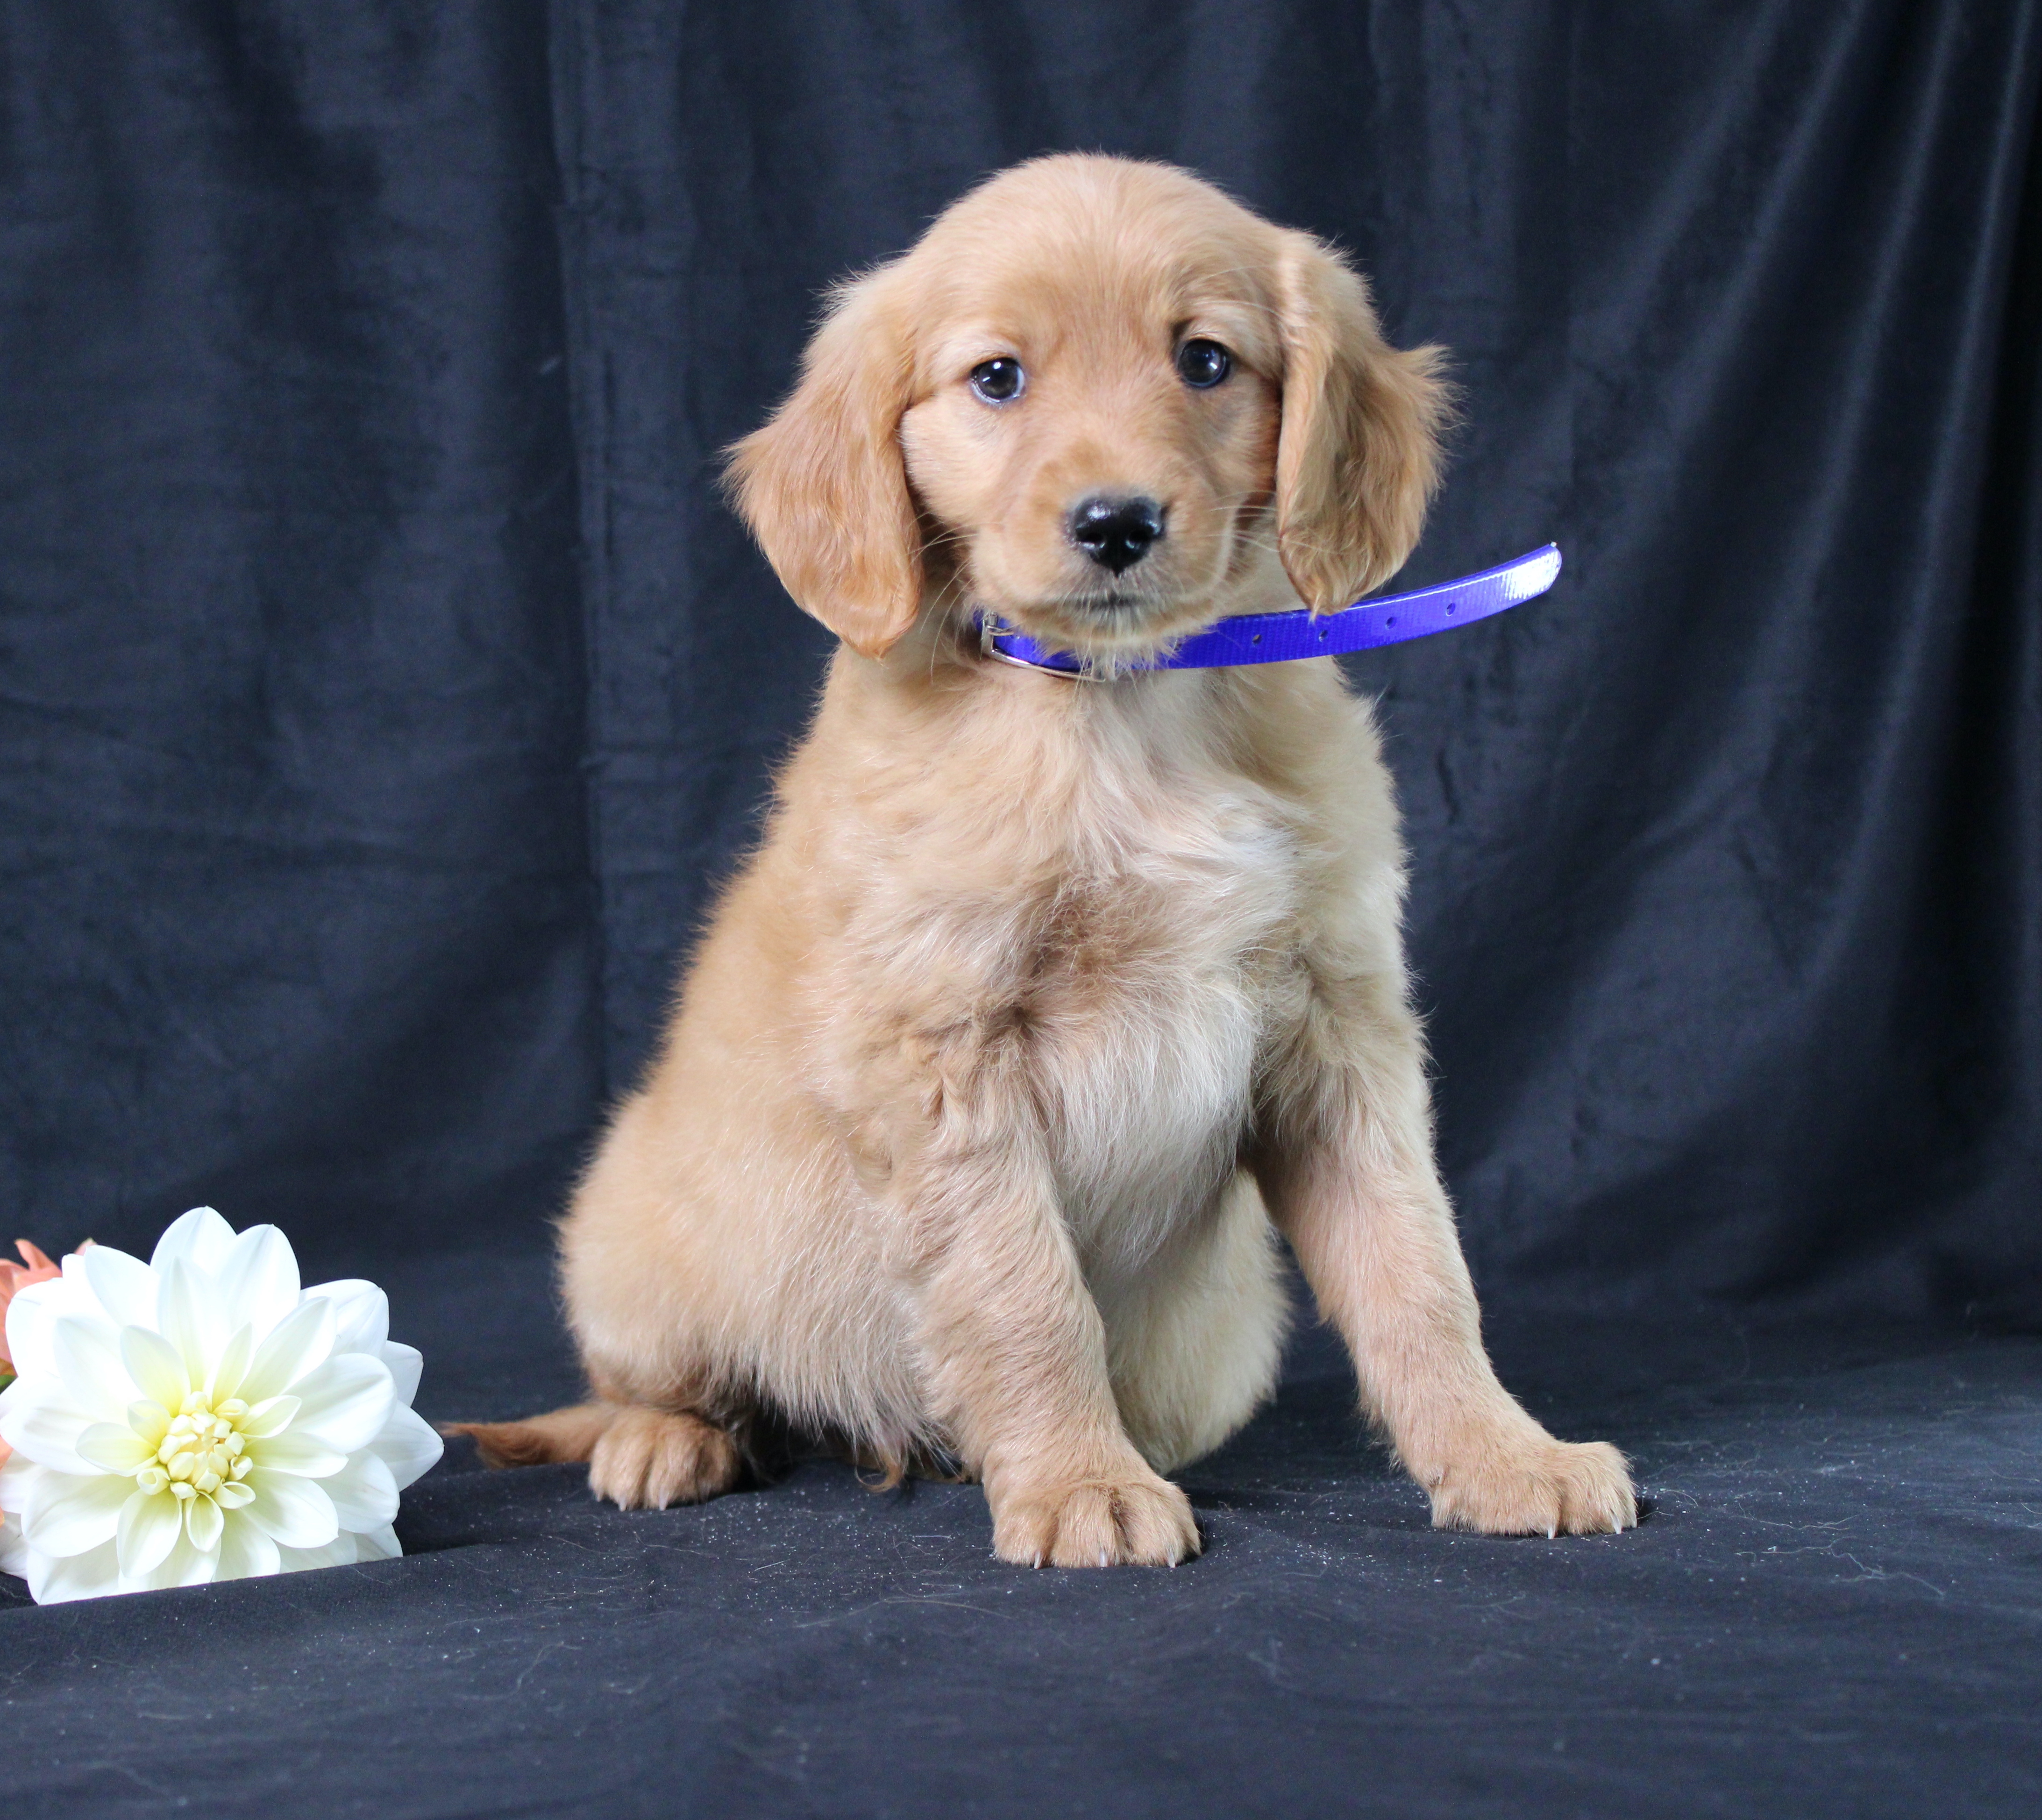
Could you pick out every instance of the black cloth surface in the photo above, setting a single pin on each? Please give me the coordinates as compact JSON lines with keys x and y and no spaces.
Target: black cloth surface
{"x":1834,"y":1607}
{"x":384,"y":690}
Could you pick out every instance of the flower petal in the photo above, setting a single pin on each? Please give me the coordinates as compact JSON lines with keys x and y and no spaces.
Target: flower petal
{"x":185,"y":1318}
{"x":364,"y":1494}
{"x":14,"y":1551}
{"x":245,"y":1552}
{"x":54,"y":1580}
{"x":378,"y":1544}
{"x":340,"y":1552}
{"x":32,"y":1319}
{"x":270,"y":1416}
{"x":201,"y":1238}
{"x":118,"y":1450}
{"x":184,"y":1565}
{"x":203,"y":1524}
{"x":149,"y":1527}
{"x":124,"y":1286}
{"x":17,"y":1484}
{"x":293,"y":1513}
{"x":89,"y":1363}
{"x":18,"y":1474}
{"x":361,"y":1313}
{"x":232,"y":1366}
{"x":302,"y":1456}
{"x":258,"y":1279}
{"x":345,"y":1403}
{"x":68,"y":1513}
{"x":407,"y":1446}
{"x":154,"y":1363}
{"x":405,"y":1362}
{"x":46,"y":1430}
{"x":301,"y":1342}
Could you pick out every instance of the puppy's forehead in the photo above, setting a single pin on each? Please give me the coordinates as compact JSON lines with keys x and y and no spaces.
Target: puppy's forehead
{"x":1082,"y":246}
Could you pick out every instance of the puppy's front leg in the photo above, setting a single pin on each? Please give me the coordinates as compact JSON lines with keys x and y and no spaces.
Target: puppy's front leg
{"x":1349,"y":1176}
{"x":1014,"y":1354}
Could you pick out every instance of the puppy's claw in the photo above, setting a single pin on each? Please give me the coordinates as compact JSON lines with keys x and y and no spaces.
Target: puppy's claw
{"x":1532,"y":1485}
{"x":1139,"y":1519}
{"x":650,"y":1458}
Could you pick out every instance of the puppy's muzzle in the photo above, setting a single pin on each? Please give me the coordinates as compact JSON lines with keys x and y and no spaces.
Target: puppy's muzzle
{"x":1115,"y":533}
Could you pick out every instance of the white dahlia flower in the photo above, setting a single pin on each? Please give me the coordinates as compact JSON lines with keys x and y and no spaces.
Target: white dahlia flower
{"x":200,"y":1417}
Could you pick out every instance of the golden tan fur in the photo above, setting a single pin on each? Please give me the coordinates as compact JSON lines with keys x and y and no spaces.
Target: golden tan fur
{"x":1045,"y":1005}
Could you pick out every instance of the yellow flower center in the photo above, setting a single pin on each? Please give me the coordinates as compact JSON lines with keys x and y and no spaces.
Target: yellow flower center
{"x":203,"y":1453}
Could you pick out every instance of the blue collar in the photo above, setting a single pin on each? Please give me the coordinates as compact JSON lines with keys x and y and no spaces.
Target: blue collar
{"x":1278,"y":638}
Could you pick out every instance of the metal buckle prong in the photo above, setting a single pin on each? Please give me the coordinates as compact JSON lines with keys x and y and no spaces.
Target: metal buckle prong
{"x":990,"y":629}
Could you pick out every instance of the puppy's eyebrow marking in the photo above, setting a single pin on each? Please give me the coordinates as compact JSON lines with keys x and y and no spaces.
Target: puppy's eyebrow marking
{"x":963,"y":345}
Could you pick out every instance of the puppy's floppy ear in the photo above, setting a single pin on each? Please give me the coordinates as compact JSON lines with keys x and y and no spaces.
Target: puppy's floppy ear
{"x":823,"y":487}
{"x":1358,"y":454}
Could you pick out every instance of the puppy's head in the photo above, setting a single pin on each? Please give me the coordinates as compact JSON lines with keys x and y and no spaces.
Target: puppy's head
{"x":1104,"y":401}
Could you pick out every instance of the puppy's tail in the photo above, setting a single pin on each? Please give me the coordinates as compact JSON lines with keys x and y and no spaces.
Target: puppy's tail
{"x":569,"y":1434}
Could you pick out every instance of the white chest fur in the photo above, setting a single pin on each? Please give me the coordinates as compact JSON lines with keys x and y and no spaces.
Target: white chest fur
{"x":1177,"y":896}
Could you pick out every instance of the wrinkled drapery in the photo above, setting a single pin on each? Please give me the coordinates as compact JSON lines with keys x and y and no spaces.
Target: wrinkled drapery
{"x":386,"y":687}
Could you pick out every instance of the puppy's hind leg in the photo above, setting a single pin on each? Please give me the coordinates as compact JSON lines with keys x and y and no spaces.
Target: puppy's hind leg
{"x":639,"y":1458}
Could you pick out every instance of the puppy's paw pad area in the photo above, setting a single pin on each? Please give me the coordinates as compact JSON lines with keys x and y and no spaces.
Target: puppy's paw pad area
{"x":647,"y":1459}
{"x":1555,"y":1488}
{"x":1096,"y":1523}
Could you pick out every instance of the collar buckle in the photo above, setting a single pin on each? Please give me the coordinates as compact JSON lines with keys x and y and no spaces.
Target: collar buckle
{"x":991,"y":628}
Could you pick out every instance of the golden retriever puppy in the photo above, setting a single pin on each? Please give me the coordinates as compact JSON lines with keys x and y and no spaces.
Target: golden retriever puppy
{"x":1046,"y":1004}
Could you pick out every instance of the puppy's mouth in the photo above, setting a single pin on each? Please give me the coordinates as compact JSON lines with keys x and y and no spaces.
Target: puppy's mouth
{"x":1108,"y":607}
{"x":1120,"y":623}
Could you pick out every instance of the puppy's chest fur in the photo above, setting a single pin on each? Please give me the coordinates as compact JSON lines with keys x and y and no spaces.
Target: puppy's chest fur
{"x":1155,"y":978}
{"x":1131,"y":986}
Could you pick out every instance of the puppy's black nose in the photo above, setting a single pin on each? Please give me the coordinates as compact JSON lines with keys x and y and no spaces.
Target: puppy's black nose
{"x":1116,"y":534}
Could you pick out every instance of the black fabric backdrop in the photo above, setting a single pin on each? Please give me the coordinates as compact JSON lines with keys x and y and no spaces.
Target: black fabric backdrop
{"x":383,"y":689}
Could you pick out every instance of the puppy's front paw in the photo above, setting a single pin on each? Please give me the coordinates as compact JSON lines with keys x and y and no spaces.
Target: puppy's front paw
{"x":648,"y":1458}
{"x":1535,"y":1487}
{"x":1132,"y":1518}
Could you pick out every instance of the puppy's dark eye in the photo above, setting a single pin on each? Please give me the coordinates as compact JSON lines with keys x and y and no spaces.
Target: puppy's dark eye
{"x":998,"y":382}
{"x":1203,"y":363}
